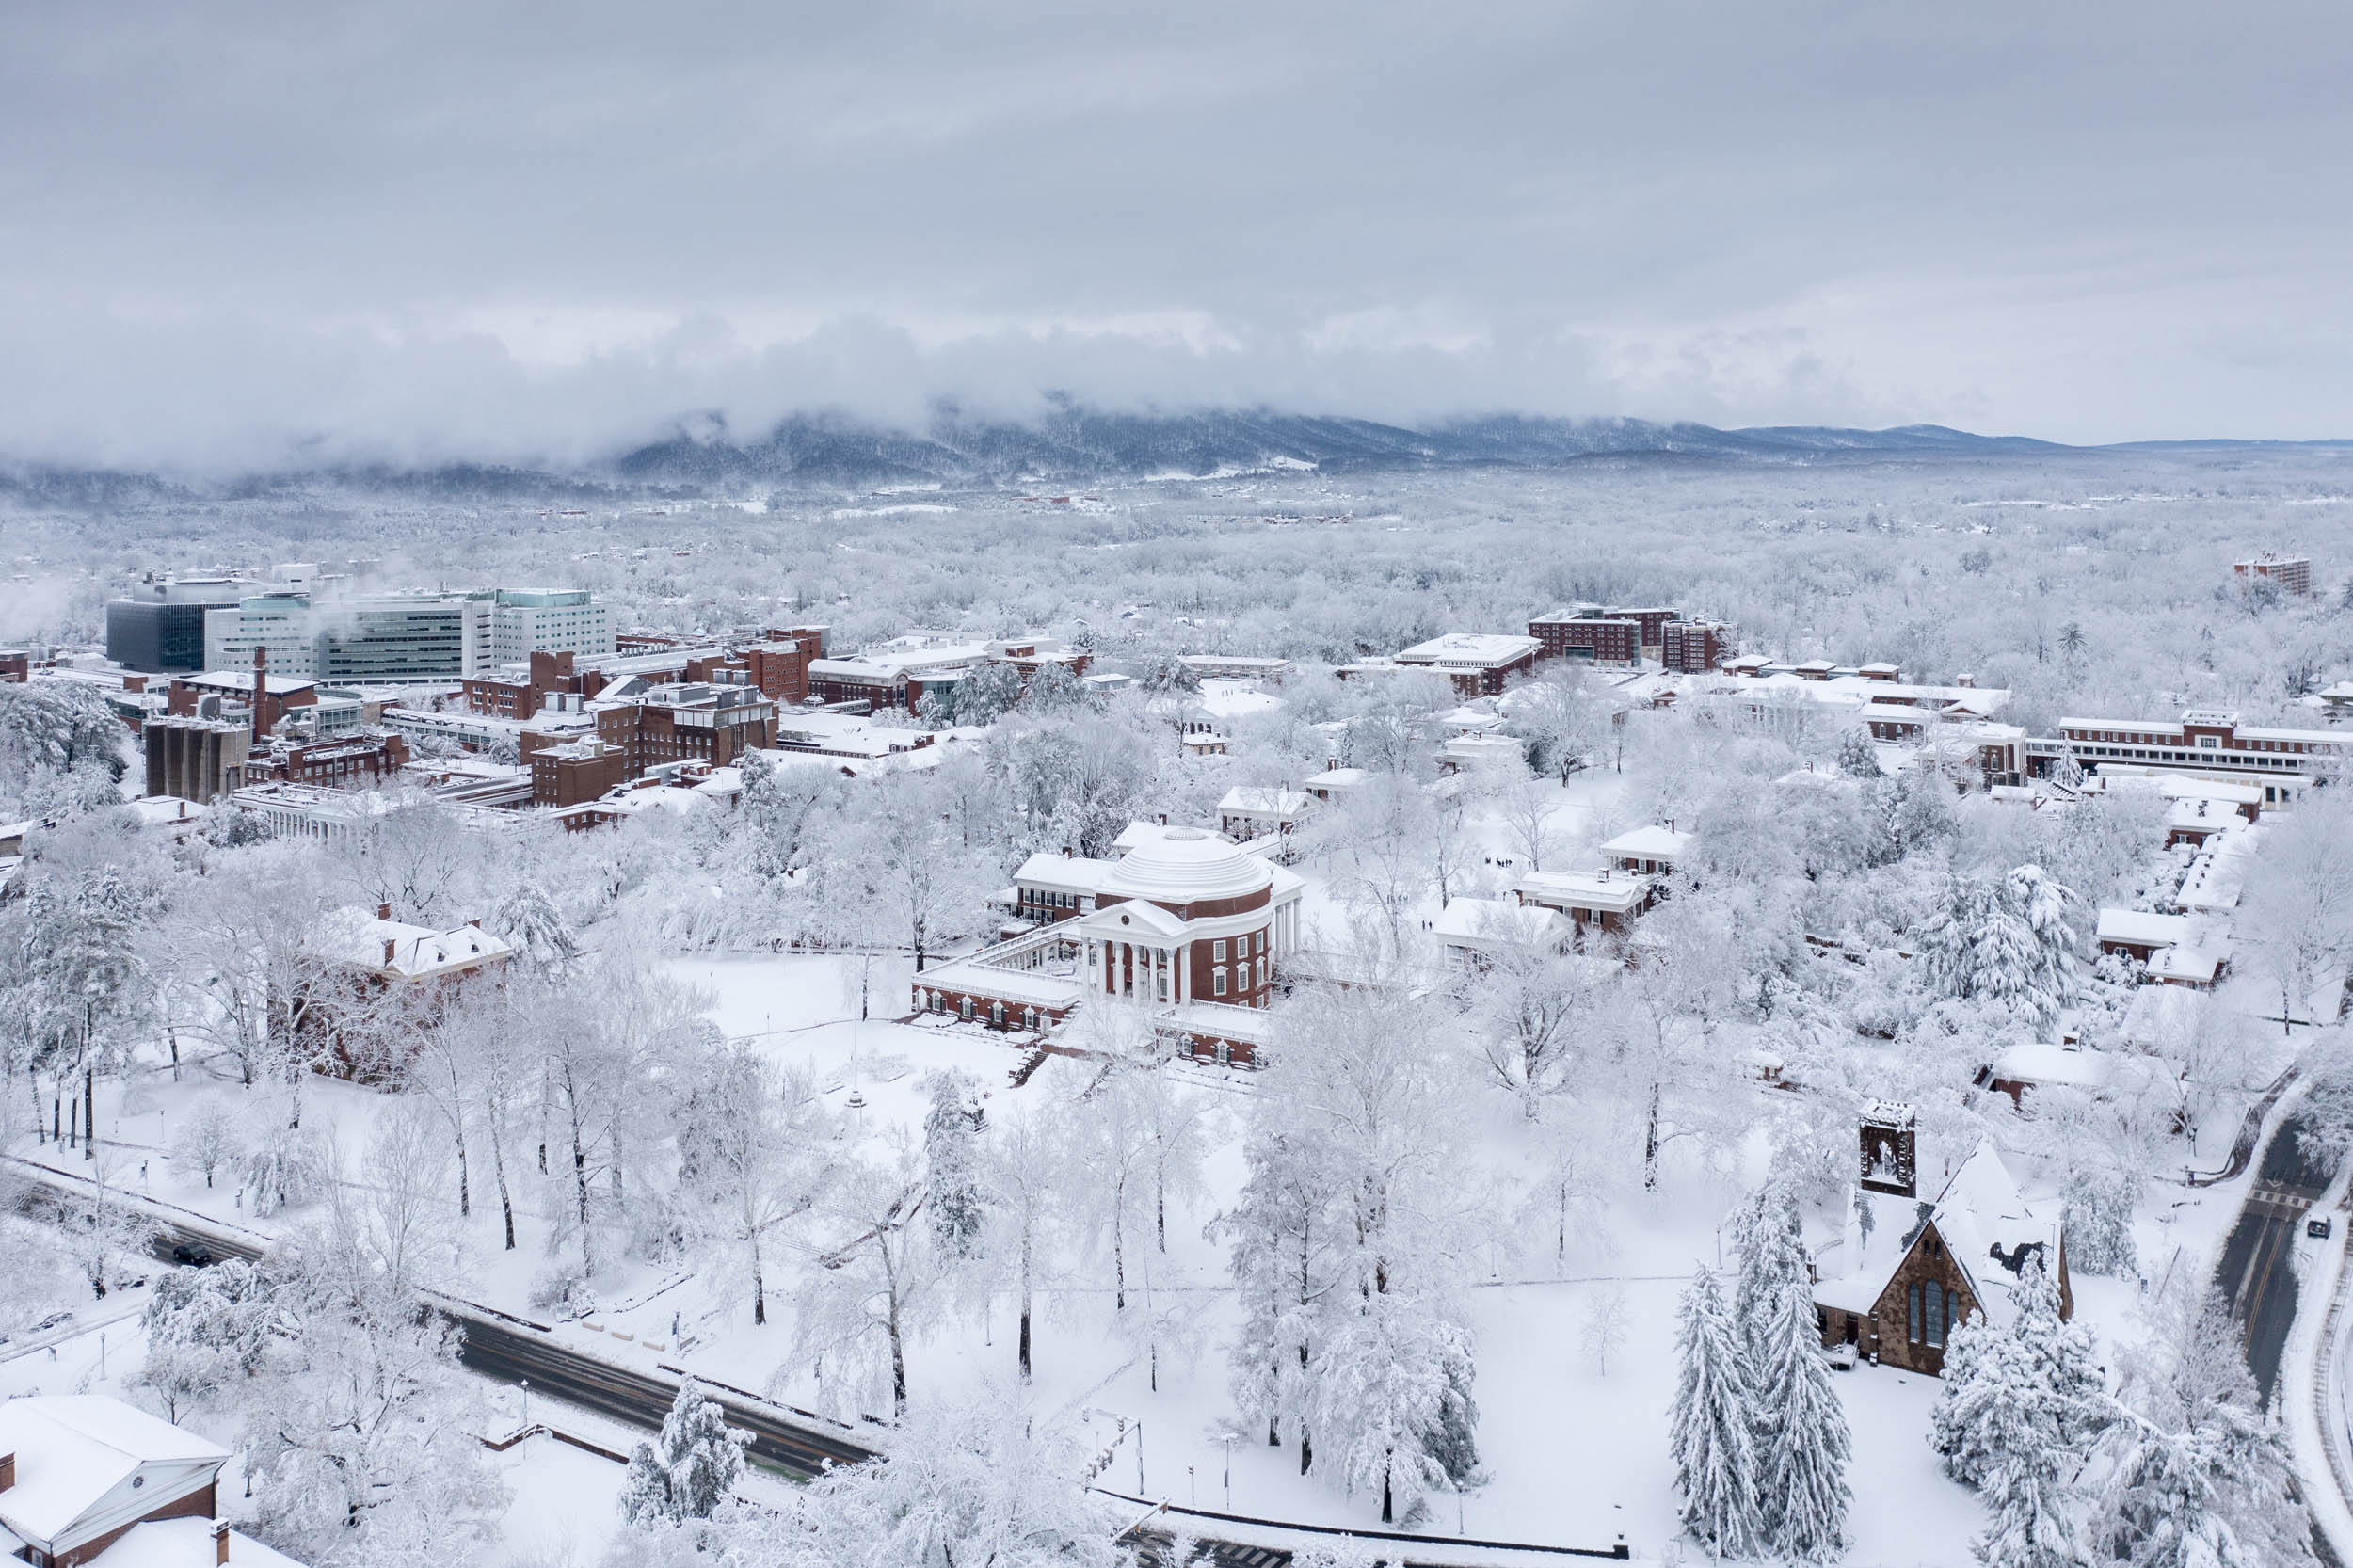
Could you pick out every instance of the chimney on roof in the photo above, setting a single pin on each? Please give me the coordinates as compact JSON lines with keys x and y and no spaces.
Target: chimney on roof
{"x":388,"y":952}
{"x":220,"y":1542}
{"x":7,"y":1471}
{"x":383,"y":911}
{"x":261,"y":687}
{"x":1964,"y":679}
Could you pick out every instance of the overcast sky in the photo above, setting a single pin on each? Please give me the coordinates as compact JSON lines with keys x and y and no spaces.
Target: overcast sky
{"x":425,"y":230}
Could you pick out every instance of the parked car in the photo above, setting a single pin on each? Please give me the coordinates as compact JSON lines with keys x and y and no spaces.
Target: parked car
{"x":195,"y":1254}
{"x":2318,"y":1228}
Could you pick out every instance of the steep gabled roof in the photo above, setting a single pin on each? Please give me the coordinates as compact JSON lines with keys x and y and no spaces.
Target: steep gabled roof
{"x":1985,"y":1223}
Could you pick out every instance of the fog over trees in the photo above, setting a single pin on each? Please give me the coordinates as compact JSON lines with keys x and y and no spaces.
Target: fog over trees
{"x":972,"y":1262}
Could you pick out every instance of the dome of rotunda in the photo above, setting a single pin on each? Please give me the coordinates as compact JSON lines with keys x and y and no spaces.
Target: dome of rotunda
{"x":1185,"y":865}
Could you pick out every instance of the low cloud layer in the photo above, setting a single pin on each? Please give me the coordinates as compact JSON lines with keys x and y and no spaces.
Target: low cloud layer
{"x":246,"y":234}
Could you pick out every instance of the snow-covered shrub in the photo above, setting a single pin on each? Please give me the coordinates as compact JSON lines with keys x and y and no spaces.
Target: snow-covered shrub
{"x":288,"y":1169}
{"x":2099,"y":1221}
{"x":560,"y":1287}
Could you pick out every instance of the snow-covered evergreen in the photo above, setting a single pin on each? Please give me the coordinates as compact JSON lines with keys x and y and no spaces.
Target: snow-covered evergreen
{"x":690,"y":1467}
{"x":952,"y":1180}
{"x":1712,"y":1425}
{"x":2194,"y":1472}
{"x":1800,"y":1429}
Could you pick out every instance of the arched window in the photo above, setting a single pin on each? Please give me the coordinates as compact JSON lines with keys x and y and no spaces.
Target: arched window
{"x":996,"y":1015}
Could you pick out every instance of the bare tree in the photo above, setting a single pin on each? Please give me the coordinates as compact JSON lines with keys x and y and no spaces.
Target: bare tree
{"x":749,"y":1149}
{"x":2296,"y":913}
{"x":1526,"y":804}
{"x":1026,"y":1173}
{"x":874,"y":1284}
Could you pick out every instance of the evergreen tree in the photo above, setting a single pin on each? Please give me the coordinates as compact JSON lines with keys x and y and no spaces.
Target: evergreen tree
{"x":2063,"y":1357}
{"x":2099,"y":1220}
{"x":1805,"y":1442}
{"x":986,"y":694}
{"x":2036,"y":1514}
{"x":690,"y":1468}
{"x":950,"y":1166}
{"x":1768,"y":1242}
{"x":1980,"y":1365}
{"x":2198,"y":1475}
{"x":1714,"y":1449}
{"x":2027,"y":1394}
{"x":1857,"y":757}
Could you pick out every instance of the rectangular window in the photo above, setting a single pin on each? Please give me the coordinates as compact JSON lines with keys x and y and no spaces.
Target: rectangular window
{"x":1934,"y":1295}
{"x":1217,"y":980}
{"x":1913,"y":1301}
{"x":1217,"y":953}
{"x":1262,"y":971}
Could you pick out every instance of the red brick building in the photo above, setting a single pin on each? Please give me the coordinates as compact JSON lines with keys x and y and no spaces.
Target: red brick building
{"x":339,"y":762}
{"x":576,"y":772}
{"x":1694,"y":646}
{"x":778,"y":662}
{"x":669,"y":724}
{"x":2292,"y":573}
{"x":86,"y":1479}
{"x":1187,"y":926}
{"x":279,"y":692}
{"x":1589,"y":635}
{"x":550,"y":675}
{"x":1478,"y":662}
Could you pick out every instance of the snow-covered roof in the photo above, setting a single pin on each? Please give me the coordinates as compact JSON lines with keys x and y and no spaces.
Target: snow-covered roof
{"x":1986,"y":1223}
{"x":1336,"y":779}
{"x":1486,"y":750}
{"x":1469,"y":650}
{"x":1655,"y":842}
{"x":1068,"y":873}
{"x":2142,"y":929}
{"x":2191,"y":786}
{"x":2217,"y":874}
{"x":241,"y":682}
{"x":1227,"y":699}
{"x":2194,"y":963}
{"x":1259,"y":800}
{"x":185,"y":1543}
{"x":2201,"y":816}
{"x":1487,"y":923}
{"x":1615,"y":891}
{"x":1138,"y":832}
{"x":2042,"y":1061}
{"x":353,"y":936}
{"x":76,"y":1457}
{"x":655,"y":797}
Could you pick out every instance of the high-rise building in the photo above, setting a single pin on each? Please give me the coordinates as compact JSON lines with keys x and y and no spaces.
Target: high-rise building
{"x":159,"y":627}
{"x":524,"y":621}
{"x":371,"y":639}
